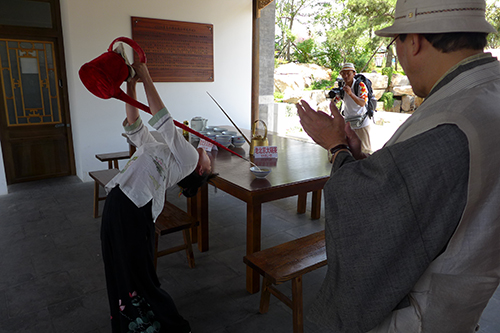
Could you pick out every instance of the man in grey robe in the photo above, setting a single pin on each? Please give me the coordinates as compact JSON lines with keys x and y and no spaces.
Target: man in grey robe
{"x":413,"y":231}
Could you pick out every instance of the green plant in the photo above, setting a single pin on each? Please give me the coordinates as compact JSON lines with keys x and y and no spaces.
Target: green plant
{"x":278,"y":96}
{"x":321,"y":85}
{"x":388,"y":71}
{"x":304,"y":51}
{"x":388,"y":99}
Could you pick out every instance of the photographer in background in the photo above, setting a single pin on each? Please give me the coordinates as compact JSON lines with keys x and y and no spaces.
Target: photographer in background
{"x":354,"y":107}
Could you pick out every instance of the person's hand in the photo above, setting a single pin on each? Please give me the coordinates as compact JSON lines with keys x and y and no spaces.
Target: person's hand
{"x":347,"y":90}
{"x":327,"y":131}
{"x":141,"y":70}
{"x":333,"y":106}
{"x":132,"y":82}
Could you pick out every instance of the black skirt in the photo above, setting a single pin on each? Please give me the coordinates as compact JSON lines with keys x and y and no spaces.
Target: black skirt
{"x":137,"y":302}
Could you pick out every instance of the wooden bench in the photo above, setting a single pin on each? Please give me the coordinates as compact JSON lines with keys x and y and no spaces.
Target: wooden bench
{"x":101,"y":178}
{"x":173,"y":219}
{"x":284,"y":262}
{"x":113,"y":158}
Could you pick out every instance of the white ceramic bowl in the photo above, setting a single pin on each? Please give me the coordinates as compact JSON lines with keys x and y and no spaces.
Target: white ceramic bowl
{"x":218,"y":129}
{"x":210,"y":128}
{"x":232,"y":133}
{"x":262,"y":173}
{"x":210,"y":135}
{"x":224,"y":140}
{"x":238,"y":140}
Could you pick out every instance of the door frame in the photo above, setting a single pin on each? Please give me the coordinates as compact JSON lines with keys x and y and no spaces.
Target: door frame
{"x":55,"y":35}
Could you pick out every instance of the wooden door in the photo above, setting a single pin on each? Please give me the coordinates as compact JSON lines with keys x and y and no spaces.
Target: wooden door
{"x":33,"y":127}
{"x":35,"y":131}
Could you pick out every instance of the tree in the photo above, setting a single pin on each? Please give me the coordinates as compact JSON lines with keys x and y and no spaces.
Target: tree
{"x":349,"y":27}
{"x":493,"y":16}
{"x":343,"y":30}
{"x":287,"y":13}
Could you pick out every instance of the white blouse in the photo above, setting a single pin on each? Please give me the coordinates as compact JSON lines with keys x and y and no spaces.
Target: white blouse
{"x":155,"y":166}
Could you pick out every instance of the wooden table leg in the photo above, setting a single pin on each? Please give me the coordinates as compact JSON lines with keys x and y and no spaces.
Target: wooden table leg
{"x":202,"y":209}
{"x":192,"y":210}
{"x":316,"y":205}
{"x":301,"y":203}
{"x":254,"y":215}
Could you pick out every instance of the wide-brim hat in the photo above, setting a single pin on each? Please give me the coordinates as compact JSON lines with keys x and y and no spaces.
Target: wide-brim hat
{"x":348,"y":67}
{"x":438,"y":16}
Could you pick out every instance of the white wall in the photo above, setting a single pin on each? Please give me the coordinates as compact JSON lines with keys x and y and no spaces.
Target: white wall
{"x":90,"y":26}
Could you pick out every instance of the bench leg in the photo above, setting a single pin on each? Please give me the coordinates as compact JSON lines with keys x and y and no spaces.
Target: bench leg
{"x":297,"y":304}
{"x":192,"y":210}
{"x":110,"y":164}
{"x":189,"y":248}
{"x":155,"y":256}
{"x":115,"y":162}
{"x":265,"y":296}
{"x":301,"y":203}
{"x":96,"y":199}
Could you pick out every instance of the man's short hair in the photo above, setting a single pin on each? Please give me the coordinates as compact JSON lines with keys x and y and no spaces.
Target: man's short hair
{"x":455,"y":41}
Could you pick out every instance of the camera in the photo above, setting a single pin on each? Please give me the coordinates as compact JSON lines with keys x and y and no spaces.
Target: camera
{"x":339,"y":91}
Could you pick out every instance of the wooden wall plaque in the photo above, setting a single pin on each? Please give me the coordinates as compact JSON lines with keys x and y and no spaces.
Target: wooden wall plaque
{"x":176,"y":51}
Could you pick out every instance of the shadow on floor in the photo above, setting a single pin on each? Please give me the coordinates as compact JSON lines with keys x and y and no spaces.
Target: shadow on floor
{"x":52,"y":276}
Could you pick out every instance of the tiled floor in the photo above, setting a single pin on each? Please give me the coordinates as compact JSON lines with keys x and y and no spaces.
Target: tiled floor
{"x":51,"y":272}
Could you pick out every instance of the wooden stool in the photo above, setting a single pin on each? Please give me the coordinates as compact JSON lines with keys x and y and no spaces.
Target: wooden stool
{"x":173,"y":219}
{"x":112,"y":158}
{"x":284,"y":262}
{"x":101,"y":178}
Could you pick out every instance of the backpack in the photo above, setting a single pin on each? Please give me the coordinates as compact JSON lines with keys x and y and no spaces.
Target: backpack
{"x":371,"y":105}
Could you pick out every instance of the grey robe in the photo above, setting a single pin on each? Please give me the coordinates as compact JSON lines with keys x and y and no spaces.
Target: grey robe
{"x":389,"y":216}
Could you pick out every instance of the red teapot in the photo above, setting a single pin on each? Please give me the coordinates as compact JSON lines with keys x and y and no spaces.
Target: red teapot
{"x":104,"y":75}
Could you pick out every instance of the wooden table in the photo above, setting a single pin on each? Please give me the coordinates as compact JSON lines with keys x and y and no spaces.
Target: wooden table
{"x":301,"y":167}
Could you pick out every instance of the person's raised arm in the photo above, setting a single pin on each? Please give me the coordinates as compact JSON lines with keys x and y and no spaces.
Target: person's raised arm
{"x":154,"y":100}
{"x":132,"y":111}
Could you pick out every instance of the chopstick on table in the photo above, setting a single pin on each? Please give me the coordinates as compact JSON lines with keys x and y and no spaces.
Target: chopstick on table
{"x":232,"y":122}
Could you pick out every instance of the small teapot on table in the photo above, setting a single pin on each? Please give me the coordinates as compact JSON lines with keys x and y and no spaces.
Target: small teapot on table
{"x":198,"y":123}
{"x":258,"y":140}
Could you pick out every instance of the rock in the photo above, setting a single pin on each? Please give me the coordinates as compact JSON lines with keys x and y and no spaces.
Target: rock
{"x":399,"y":80}
{"x":299,"y":76}
{"x":292,"y":96}
{"x":418,"y":101}
{"x":396,"y":106}
{"x":379,"y":81}
{"x":317,"y":96}
{"x":402,"y":90}
{"x":378,"y":93}
{"x":286,"y":82}
{"x":408,"y":103}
